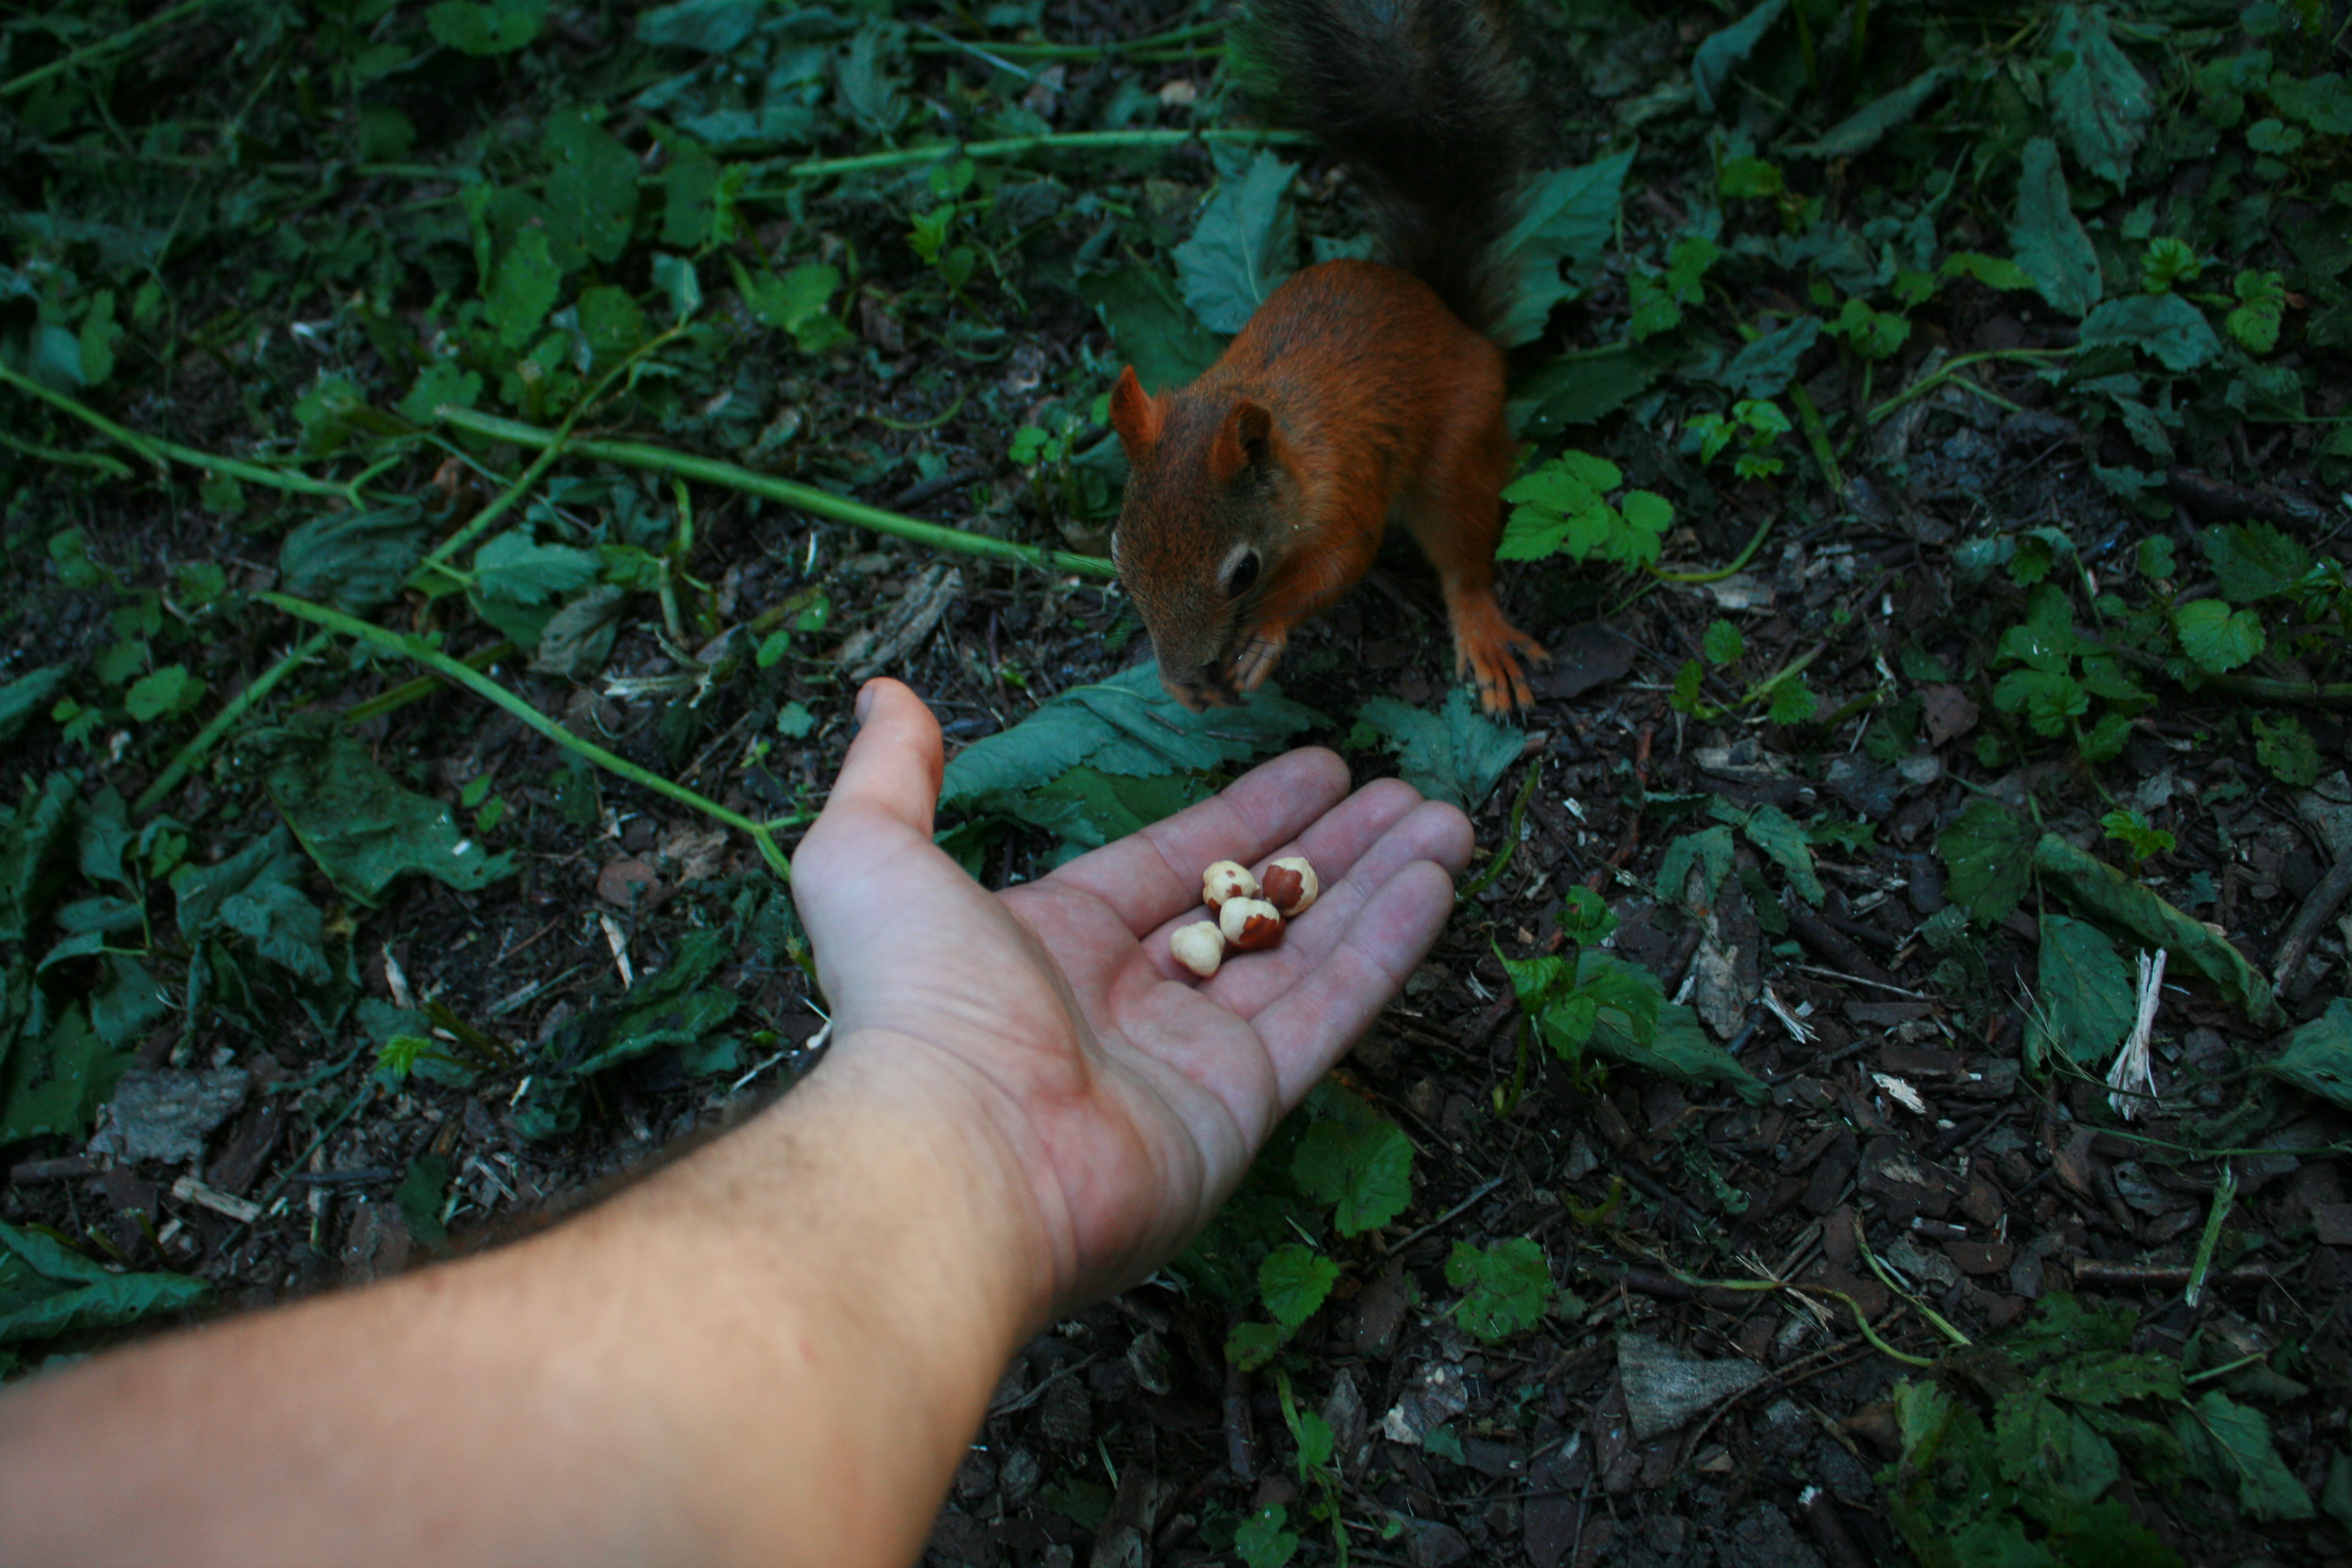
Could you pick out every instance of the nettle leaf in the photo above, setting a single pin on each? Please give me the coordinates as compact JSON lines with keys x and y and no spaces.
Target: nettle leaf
{"x":591,"y":191}
{"x":709,"y":26}
{"x":1766,"y":367}
{"x":1725,"y":51}
{"x":523,"y":287}
{"x":1631,"y":1021}
{"x":1784,"y":840}
{"x":2318,"y":1057}
{"x":2050,"y":241}
{"x":1458,"y":754}
{"x":2285,"y":747}
{"x":164,"y":693}
{"x":1861,"y":130}
{"x":1568,"y":219}
{"x":1363,"y":1171}
{"x":2261,"y":306}
{"x":2128,"y":904}
{"x":1990,"y":856}
{"x":284,"y":927}
{"x":2228,"y":1448}
{"x":500,"y":27}
{"x":1245,"y":244}
{"x":2164,"y":326}
{"x":48,"y":1289}
{"x":1709,"y":853}
{"x":1127,"y":725}
{"x":2050,"y":702}
{"x":2101,"y":102}
{"x":362,"y":828}
{"x":2216,"y":637}
{"x":1508,"y":1287}
{"x":1156,"y":331}
{"x":516,"y":566}
{"x":26,"y":698}
{"x":1583,"y":389}
{"x":2084,"y":995}
{"x":1293,"y":1282}
{"x":2253,"y":561}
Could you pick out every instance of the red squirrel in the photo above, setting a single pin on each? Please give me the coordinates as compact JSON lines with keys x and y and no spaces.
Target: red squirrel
{"x":1359,"y":391}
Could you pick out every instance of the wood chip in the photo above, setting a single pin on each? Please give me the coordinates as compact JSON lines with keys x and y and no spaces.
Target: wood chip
{"x":189,"y":1190}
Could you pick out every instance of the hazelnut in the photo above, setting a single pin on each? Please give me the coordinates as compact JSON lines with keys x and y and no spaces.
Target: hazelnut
{"x":1226,"y":879}
{"x":1250,"y":924}
{"x":1199,"y":947}
{"x":1291,"y":885}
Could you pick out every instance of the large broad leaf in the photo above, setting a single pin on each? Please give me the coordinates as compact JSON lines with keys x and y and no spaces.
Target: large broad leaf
{"x":2085,"y":997}
{"x":362,"y":828}
{"x":1456,"y":755}
{"x":35,"y":843}
{"x":591,"y":195}
{"x":1126,"y":725}
{"x":1678,"y":1046}
{"x":1860,"y":131}
{"x":1364,"y":1172}
{"x":1583,"y":388}
{"x":1766,"y":367}
{"x":1154,"y":329}
{"x":2319,"y":1058}
{"x":1726,"y":51}
{"x":1989,"y":854}
{"x":1568,"y":219}
{"x":46,"y":1289}
{"x":56,"y":1083}
{"x":26,"y":698}
{"x":2229,"y":1448}
{"x":2050,"y":241}
{"x":354,"y":561}
{"x":1245,"y":244}
{"x":2166,"y":327}
{"x":2100,"y":98}
{"x":2099,"y":890}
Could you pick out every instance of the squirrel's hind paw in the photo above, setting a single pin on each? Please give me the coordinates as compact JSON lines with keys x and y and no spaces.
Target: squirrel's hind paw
{"x":1496,"y":655}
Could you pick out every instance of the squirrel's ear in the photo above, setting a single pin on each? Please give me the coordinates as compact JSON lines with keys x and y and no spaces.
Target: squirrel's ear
{"x":1134,"y":413}
{"x":1242,"y":440}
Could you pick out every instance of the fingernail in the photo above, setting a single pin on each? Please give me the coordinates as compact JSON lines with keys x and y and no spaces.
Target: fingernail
{"x":864,"y":703}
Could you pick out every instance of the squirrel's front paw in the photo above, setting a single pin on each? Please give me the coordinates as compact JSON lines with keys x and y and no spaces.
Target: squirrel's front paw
{"x":1254,"y":661}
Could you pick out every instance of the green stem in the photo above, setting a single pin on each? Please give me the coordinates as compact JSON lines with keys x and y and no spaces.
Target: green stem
{"x":107,"y":45}
{"x":1738,"y":563}
{"x":1927,"y":384}
{"x":191,"y":755}
{"x":1817,"y":437}
{"x":789,"y":492}
{"x":1009,"y":147}
{"x":424,"y":686}
{"x":421,"y":652}
{"x":163,"y":453}
{"x":2258,"y":687}
{"x":1502,"y":859}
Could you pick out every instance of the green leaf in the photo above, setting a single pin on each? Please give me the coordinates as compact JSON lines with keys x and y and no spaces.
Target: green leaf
{"x":1507,"y":1287}
{"x":1567,"y":220}
{"x":2318,"y":1057}
{"x":1293,"y":1282}
{"x":2084,"y":996}
{"x":796,"y":302}
{"x":1725,"y":51}
{"x":283,"y":926}
{"x":591,"y":193}
{"x":1127,"y":725}
{"x":362,"y":828}
{"x":2118,"y":900}
{"x":1262,"y":1542}
{"x":500,"y":27}
{"x":2215,"y":637}
{"x":1243,"y":246}
{"x":200,"y":893}
{"x":46,"y":1289}
{"x":1364,"y":1172}
{"x":679,"y":1007}
{"x":1154,"y":329}
{"x":1456,"y":755}
{"x":1784,"y":840}
{"x":2049,"y":242}
{"x":1989,"y":854}
{"x":26,"y":698}
{"x":517,"y":567}
{"x":1583,"y":389}
{"x":2164,"y":326}
{"x":36,"y":843}
{"x":1670,"y":1040}
{"x":523,"y":286}
{"x":1992,"y":271}
{"x":1722,"y":643}
{"x":163,"y":694}
{"x":2098,"y":96}
{"x":2323,"y":103}
{"x":420,"y":1195}
{"x":1708,"y":851}
{"x":1766,"y":367}
{"x":1861,"y":130}
{"x":1251,"y":1345}
{"x":1087,"y":808}
{"x":707,"y":26}
{"x":354,"y":561}
{"x":2253,"y":561}
{"x":2285,"y":747}
{"x":2229,"y":1448}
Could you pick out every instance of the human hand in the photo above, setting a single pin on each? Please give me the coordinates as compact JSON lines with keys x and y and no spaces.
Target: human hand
{"x":1126,"y":1099}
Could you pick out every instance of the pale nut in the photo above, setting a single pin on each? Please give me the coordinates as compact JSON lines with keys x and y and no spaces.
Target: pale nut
{"x":1199,"y":947}
{"x":1291,"y":885}
{"x":1226,"y":879}
{"x":1250,"y":923}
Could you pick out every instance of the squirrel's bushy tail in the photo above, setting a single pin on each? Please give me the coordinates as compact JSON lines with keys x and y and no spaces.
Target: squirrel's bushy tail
{"x":1423,"y":101}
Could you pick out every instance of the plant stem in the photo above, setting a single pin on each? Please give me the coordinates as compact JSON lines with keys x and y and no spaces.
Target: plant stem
{"x":1817,"y":437}
{"x":107,"y":45}
{"x":424,"y":686}
{"x":421,"y":652}
{"x":191,"y":755}
{"x":790,"y":492}
{"x":163,"y":454}
{"x":1011,"y":146}
{"x":1927,"y":384}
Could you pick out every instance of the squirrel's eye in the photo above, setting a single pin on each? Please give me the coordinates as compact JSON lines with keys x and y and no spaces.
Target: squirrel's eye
{"x":1240,"y":572}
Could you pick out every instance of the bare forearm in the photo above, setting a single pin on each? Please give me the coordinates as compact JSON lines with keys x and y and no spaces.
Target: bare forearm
{"x":742,"y":1359}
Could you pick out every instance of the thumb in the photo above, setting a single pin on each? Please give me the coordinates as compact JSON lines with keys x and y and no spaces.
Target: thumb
{"x":894,"y":765}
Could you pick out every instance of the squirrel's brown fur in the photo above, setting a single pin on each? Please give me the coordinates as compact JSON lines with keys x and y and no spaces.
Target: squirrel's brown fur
{"x":1358,"y":391}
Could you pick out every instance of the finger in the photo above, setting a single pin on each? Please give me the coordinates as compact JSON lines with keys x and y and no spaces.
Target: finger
{"x":1150,"y":877}
{"x":1313,"y":1024}
{"x":892,"y":770}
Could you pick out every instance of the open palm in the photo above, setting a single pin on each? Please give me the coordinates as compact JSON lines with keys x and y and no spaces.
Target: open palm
{"x":1130,"y":1094}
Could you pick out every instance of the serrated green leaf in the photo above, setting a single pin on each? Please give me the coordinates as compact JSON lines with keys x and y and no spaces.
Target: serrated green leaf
{"x":1861,"y":130}
{"x":1293,"y":1282}
{"x":2283,"y":745}
{"x":2253,"y":561}
{"x":2098,"y":96}
{"x":2094,"y":885}
{"x":1154,"y":329}
{"x":1456,"y":755}
{"x":1766,"y":367}
{"x":163,"y":693}
{"x":2228,"y":1448}
{"x":2166,"y":327}
{"x":709,"y":26}
{"x":1567,"y":221}
{"x":362,"y":828}
{"x":592,"y":190}
{"x":2318,"y":1057}
{"x":1785,"y":841}
{"x":1507,"y":1287}
{"x":1990,"y":856}
{"x":46,"y":1291}
{"x":523,"y":288}
{"x":2084,"y":995}
{"x":2050,"y":241}
{"x":1245,"y":243}
{"x":2215,"y":637}
{"x":1364,"y":1173}
{"x":500,"y":27}
{"x":1727,"y":49}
